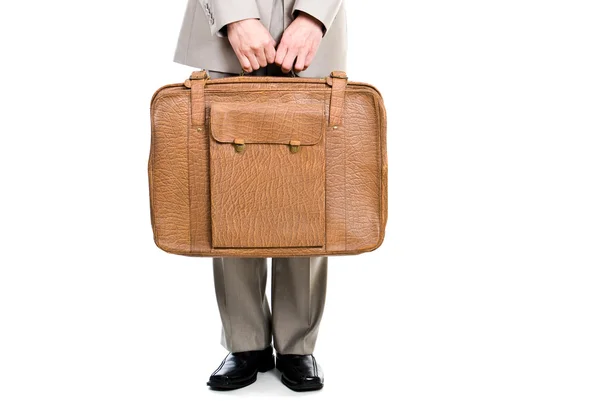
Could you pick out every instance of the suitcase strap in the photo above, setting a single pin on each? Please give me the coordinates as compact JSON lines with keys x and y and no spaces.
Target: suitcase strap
{"x":338,"y":80}
{"x":197,"y":149}
{"x":198,"y":80}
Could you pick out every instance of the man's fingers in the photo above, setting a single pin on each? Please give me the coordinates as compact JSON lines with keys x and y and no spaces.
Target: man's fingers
{"x":280,"y":56}
{"x":261,"y":57}
{"x":270,"y":53}
{"x":288,"y":61}
{"x":244,"y":62}
{"x":253,"y":61}
{"x":309,"y":57}
{"x":252,"y":43}
{"x":301,"y":60}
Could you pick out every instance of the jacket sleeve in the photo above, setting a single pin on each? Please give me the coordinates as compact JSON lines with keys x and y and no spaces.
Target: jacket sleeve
{"x":323,"y":10}
{"x":222,"y":12}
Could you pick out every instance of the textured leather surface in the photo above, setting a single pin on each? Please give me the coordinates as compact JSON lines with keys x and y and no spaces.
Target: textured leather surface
{"x":268,"y":123}
{"x":326,"y":197}
{"x":267,"y":196}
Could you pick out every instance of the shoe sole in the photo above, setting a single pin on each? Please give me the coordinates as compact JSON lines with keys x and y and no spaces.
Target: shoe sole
{"x":233,"y":386}
{"x":300,"y":387}
{"x":265,"y":367}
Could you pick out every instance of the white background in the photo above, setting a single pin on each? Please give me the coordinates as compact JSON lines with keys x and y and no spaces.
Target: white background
{"x":486,"y":287}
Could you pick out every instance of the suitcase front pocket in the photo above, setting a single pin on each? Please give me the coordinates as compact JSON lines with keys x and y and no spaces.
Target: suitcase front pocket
{"x":267,"y":175}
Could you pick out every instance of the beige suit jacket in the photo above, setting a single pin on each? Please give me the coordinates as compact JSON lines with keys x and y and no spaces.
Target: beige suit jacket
{"x":203,"y":42}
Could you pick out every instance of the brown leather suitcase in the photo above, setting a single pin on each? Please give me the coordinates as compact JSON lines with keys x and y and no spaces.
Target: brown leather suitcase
{"x":268,"y":166}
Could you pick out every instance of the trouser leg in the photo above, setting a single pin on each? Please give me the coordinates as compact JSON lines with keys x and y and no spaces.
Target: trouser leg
{"x":298,"y":297}
{"x":240,"y":288}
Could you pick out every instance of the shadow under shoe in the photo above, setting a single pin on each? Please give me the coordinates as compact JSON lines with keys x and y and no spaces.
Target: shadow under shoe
{"x":239,"y":369}
{"x":300,"y":372}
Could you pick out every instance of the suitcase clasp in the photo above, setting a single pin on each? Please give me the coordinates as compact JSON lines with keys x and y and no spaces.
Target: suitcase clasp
{"x":239,"y":145}
{"x":294,"y":146}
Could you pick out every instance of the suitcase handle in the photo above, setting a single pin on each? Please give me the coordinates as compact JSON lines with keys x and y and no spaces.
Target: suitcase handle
{"x":290,"y":74}
{"x":337,"y":80}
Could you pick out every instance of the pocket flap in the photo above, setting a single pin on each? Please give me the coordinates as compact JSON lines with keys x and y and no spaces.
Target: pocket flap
{"x":268,"y":123}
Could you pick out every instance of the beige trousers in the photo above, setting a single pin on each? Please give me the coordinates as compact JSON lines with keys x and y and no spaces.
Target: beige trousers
{"x":298,"y":287}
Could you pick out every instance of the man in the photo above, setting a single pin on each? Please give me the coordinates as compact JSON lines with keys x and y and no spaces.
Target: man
{"x":267,"y":37}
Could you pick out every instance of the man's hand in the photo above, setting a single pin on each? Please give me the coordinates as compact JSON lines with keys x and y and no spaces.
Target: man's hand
{"x":252,"y":43}
{"x":300,"y":42}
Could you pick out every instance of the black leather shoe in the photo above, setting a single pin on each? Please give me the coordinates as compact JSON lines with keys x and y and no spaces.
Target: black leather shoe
{"x":300,"y":372}
{"x":240,"y":369}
